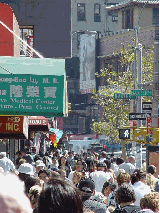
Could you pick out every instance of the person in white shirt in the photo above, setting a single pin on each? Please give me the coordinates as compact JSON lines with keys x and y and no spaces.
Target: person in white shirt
{"x":12,"y":196}
{"x":102,"y":156}
{"x":138,"y":180}
{"x":79,"y":168}
{"x":70,"y":159}
{"x":6,"y":163}
{"x":99,"y":176}
{"x":128,"y":166}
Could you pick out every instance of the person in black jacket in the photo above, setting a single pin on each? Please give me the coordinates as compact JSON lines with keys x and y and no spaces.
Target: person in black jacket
{"x":125,"y":198}
{"x":87,"y":188}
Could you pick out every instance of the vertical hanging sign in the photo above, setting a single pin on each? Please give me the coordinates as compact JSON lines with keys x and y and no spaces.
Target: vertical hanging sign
{"x":149,"y":124}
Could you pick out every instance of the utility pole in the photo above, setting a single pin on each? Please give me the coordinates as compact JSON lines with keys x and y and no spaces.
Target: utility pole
{"x":138,"y":76}
{"x":139,"y":103}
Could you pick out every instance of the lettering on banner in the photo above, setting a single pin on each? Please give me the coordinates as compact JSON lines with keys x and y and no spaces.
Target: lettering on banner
{"x":14,"y":119}
{"x":50,"y":92}
{"x":12,"y":127}
{"x":16,"y":91}
{"x":34,"y":81}
{"x":12,"y":124}
{"x":10,"y":80}
{"x":46,"y":81}
{"x":3,"y":92}
{"x":32,"y":91}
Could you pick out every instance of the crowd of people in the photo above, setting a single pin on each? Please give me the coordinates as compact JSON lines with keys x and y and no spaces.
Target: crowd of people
{"x":76,"y":183}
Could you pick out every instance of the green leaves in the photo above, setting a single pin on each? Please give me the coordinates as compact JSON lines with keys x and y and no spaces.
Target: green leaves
{"x":116,"y":111}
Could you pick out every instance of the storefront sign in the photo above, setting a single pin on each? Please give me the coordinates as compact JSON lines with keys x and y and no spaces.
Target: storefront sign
{"x":38,"y":120}
{"x":31,"y":95}
{"x":14,"y":127}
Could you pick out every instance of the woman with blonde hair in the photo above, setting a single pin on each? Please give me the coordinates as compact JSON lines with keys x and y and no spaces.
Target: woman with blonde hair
{"x":77,"y":176}
{"x":33,"y":195}
{"x":150,"y":201}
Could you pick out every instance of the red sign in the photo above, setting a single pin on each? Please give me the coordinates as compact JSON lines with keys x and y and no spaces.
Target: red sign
{"x":13,"y":125}
{"x":38,"y":120}
{"x":132,"y":123}
{"x":149,"y":124}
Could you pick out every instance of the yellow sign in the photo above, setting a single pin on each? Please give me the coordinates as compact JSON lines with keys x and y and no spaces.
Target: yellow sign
{"x":155,"y":135}
{"x":140,"y":135}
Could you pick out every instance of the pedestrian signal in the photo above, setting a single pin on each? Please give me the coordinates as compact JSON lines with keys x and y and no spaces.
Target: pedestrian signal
{"x":124,"y":133}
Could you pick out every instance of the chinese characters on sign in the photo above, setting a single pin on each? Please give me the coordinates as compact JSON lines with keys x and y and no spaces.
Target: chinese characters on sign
{"x":31,"y":95}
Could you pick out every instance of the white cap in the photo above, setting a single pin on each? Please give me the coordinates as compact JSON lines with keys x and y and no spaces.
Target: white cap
{"x":3,"y":154}
{"x":26,"y":168}
{"x":39,"y":163}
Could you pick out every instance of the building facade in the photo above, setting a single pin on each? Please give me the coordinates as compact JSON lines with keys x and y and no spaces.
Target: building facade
{"x":9,"y":44}
{"x":48,"y":22}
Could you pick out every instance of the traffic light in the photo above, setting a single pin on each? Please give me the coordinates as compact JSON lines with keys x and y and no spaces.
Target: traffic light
{"x":155,"y":135}
{"x":124,"y":133}
{"x":140,"y":135}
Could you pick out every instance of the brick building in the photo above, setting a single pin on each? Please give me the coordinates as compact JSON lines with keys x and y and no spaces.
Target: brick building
{"x":128,"y":15}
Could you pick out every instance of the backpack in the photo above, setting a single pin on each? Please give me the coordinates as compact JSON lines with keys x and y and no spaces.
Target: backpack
{"x":119,"y":209}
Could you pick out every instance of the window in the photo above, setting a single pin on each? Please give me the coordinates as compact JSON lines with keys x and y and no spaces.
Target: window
{"x":127,"y":19}
{"x":27,"y":36}
{"x":97,"y":12}
{"x":81,"y":13}
{"x":115,"y":16}
{"x":78,"y":38}
{"x":155,"y":16}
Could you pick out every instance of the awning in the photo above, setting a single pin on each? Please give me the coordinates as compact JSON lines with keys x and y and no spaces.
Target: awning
{"x":38,"y":123}
{"x":32,"y":86}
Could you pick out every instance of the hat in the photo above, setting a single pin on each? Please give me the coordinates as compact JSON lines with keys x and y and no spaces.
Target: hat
{"x":3,"y":154}
{"x":86,"y":185}
{"x":101,"y":165}
{"x":39,"y":163}
{"x":26,"y":168}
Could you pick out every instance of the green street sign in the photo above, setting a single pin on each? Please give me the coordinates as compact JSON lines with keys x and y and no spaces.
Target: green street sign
{"x":124,"y":96}
{"x":22,"y":94}
{"x":139,"y":92}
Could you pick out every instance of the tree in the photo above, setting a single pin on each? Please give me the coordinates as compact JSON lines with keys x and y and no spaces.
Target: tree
{"x":116,"y":111}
